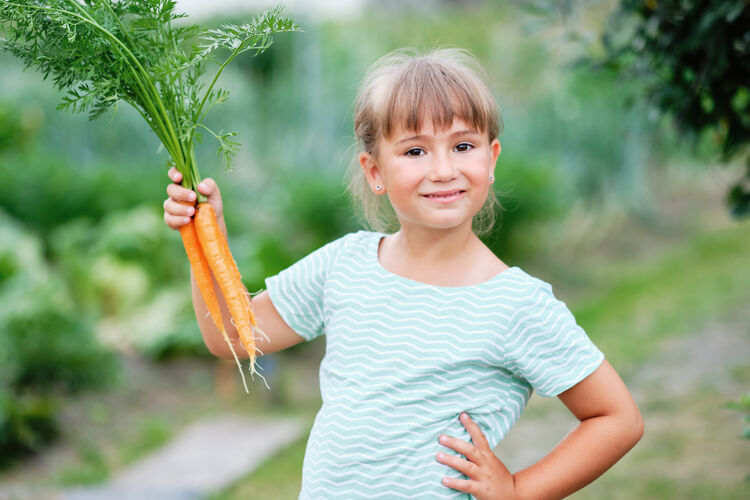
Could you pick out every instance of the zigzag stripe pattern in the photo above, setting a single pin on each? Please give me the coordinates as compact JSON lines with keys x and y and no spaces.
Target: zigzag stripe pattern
{"x":404,"y":358}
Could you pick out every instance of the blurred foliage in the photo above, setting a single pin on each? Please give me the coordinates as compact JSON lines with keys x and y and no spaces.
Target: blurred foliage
{"x":47,"y":347}
{"x":46,"y":191}
{"x":128,"y":271}
{"x":27,"y":424}
{"x":18,"y":127}
{"x":743,"y":406}
{"x":694,"y":59}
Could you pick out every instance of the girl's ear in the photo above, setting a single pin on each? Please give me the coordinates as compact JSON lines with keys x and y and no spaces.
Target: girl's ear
{"x":372,"y":172}
{"x":495,"y":151}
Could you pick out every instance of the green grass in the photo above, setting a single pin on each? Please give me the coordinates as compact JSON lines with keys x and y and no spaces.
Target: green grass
{"x":91,"y":467}
{"x":151,"y":435}
{"x":638,"y":307}
{"x":95,"y":463}
{"x":691,"y":450}
{"x":661,"y":488}
{"x":280,"y":477}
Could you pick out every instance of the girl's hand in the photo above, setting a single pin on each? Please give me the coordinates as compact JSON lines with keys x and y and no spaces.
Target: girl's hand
{"x":180,"y":206}
{"x":490,"y":479}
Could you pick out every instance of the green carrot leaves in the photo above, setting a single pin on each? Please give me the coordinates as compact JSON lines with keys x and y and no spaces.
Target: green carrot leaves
{"x":101,"y":52}
{"x":254,"y":35}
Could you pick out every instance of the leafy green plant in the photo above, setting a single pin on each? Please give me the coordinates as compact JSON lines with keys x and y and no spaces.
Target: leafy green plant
{"x":55,"y":350}
{"x":102,"y":52}
{"x":46,"y":348}
{"x":693,"y":59}
{"x":123,"y":271}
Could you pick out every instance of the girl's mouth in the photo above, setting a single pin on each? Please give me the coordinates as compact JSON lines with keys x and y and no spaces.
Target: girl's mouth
{"x":445,"y":197}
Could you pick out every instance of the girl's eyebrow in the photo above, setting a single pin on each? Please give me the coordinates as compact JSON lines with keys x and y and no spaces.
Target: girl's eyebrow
{"x":421,"y":137}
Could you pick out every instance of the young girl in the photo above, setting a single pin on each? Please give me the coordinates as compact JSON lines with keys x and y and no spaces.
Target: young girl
{"x":433,"y":344}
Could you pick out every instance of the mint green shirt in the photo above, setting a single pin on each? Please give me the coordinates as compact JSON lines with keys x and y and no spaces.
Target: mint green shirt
{"x":403,"y":359}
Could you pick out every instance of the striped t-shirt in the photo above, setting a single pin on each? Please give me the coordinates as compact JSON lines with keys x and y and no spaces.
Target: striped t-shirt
{"x":403,"y":359}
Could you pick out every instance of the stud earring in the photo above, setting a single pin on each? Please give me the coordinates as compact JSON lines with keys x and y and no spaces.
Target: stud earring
{"x":492,"y":178}
{"x":378,"y":187}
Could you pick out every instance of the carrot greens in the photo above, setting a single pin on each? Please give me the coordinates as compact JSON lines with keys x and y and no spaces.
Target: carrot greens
{"x":101,"y":52}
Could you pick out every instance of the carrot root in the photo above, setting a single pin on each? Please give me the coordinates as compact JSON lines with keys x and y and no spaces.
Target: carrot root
{"x":202,"y":273}
{"x":236,"y":360}
{"x":226,"y":272}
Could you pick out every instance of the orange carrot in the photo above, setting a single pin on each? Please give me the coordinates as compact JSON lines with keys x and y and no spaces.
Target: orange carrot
{"x":202,"y":273}
{"x":224,"y":269}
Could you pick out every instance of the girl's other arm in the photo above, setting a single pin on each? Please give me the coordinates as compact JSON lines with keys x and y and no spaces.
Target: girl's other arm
{"x":610,"y":425}
{"x":177,"y":210}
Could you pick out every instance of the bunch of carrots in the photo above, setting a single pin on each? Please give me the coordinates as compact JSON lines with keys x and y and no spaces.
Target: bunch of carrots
{"x":103,"y":52}
{"x":208,"y":253}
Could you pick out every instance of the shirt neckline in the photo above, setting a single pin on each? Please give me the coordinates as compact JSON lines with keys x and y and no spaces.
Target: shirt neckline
{"x":374,"y":252}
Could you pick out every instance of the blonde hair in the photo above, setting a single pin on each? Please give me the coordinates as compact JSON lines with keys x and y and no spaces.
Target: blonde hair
{"x":400,"y":91}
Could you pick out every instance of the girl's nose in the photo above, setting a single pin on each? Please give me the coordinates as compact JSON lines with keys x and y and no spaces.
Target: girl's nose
{"x":442,"y":168}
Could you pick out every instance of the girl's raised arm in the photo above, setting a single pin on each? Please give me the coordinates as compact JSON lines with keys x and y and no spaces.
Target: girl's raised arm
{"x":177,"y":211}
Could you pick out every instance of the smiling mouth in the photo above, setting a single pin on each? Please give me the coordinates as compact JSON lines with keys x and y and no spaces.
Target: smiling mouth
{"x":445,"y":195}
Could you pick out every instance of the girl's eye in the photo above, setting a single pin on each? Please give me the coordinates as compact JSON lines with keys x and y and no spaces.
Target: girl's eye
{"x":464,"y":146}
{"x":415,"y":152}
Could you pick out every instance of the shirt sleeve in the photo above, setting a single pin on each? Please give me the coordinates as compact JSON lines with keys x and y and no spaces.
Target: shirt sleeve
{"x":546,"y":346}
{"x":297,"y":291}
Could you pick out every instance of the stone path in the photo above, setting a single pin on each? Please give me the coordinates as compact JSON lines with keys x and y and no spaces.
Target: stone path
{"x":204,"y":458}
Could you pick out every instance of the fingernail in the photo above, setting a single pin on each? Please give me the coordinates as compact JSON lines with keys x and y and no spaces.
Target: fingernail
{"x":463,"y":416}
{"x":191,"y":196}
{"x":440,"y":455}
{"x":442,"y":439}
{"x":202,"y":186}
{"x":191,"y":210}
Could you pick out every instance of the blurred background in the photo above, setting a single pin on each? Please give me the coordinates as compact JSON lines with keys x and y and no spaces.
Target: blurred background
{"x":623,"y":178}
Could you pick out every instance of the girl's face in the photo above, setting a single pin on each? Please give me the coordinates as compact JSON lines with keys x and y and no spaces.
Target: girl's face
{"x":434,"y":179}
